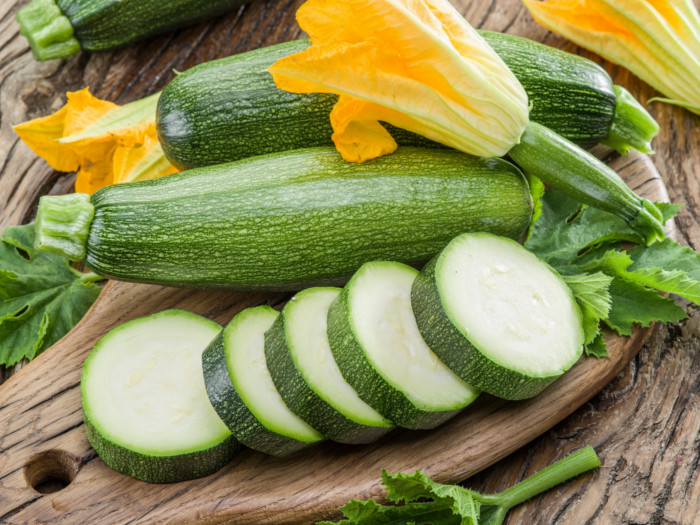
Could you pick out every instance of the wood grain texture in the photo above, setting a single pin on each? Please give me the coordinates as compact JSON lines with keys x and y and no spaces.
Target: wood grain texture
{"x":645,"y":424}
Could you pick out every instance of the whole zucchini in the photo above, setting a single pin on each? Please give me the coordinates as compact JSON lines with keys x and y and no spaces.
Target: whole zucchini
{"x":61,"y":28}
{"x":230,"y":108}
{"x":287,"y":220}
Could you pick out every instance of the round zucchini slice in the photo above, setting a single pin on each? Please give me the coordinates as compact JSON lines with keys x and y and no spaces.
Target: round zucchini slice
{"x":375,"y":341}
{"x":499,"y":317}
{"x":146,"y":410}
{"x":307,"y":377}
{"x":242,"y":392}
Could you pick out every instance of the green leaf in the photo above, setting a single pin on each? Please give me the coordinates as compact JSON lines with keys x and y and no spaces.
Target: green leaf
{"x":597,"y":348}
{"x":632,"y":303}
{"x":566,"y":229}
{"x":371,"y":512}
{"x":455,"y":505}
{"x":41,"y":296}
{"x":412,"y":487}
{"x":537,"y":192}
{"x":591,"y":293}
{"x":668,"y":210}
{"x":672,"y":258}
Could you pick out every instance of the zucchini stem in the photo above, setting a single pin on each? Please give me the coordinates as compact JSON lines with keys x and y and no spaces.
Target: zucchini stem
{"x":63,"y":224}
{"x":91,"y":277}
{"x":48,"y":30}
{"x":563,"y":165}
{"x":496,"y":506}
{"x":632,"y":126}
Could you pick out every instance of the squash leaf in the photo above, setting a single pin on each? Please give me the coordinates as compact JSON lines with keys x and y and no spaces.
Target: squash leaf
{"x":621,"y":288}
{"x":41,"y":296}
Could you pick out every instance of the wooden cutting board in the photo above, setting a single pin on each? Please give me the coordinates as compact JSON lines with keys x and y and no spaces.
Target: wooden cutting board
{"x":43,"y":445}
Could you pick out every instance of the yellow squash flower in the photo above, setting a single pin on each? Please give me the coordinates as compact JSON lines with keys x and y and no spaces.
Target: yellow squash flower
{"x":657,"y":40}
{"x":416,"y":64}
{"x":106,"y":143}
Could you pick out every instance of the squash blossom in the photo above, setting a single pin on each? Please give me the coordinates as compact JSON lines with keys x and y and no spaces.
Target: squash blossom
{"x":105,"y":143}
{"x":657,"y":40}
{"x":416,"y":64}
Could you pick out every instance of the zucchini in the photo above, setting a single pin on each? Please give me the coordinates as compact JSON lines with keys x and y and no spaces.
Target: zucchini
{"x":543,"y":154}
{"x":230,"y":108}
{"x":242,"y":392}
{"x":287,"y":220}
{"x":376,"y":343}
{"x":307,"y":377}
{"x":61,"y":28}
{"x":497,"y":316}
{"x":145,"y":407}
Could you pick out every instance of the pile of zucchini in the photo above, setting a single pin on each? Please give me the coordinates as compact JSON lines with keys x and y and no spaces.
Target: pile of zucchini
{"x":172,"y":396}
{"x":267,"y":203}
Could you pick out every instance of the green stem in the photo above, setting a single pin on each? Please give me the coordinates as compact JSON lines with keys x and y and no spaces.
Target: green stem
{"x":632,"y":126}
{"x":63,"y":223}
{"x":561,"y":471}
{"x":563,"y":165}
{"x":49,"y":32}
{"x":91,"y":277}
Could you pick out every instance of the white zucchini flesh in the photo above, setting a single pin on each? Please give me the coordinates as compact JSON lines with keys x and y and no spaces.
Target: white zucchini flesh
{"x":247,"y":367}
{"x":142,"y":386}
{"x":380,"y":310}
{"x":510,"y":305}
{"x":311,"y":352}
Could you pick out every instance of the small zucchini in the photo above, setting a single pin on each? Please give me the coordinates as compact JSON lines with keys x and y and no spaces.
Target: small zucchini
{"x":61,"y":28}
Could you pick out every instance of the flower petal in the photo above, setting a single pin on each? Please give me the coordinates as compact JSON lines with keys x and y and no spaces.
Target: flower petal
{"x":144,"y":162}
{"x":41,"y":134}
{"x":658,"y":40}
{"x":104,"y":142}
{"x":416,"y":64}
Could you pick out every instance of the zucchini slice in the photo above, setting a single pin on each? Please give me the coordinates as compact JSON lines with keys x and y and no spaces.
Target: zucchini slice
{"x":500,"y":318}
{"x":380,"y":352}
{"x":307,"y":377}
{"x":146,"y":410}
{"x":242,"y":392}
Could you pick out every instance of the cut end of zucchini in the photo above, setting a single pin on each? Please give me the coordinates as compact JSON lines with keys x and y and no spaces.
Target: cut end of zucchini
{"x":510,"y":305}
{"x":146,"y":407}
{"x":63,"y":224}
{"x":242,"y":392}
{"x":380,"y":309}
{"x":632,"y":126}
{"x":245,"y":343}
{"x":48,"y":31}
{"x":500,"y":318}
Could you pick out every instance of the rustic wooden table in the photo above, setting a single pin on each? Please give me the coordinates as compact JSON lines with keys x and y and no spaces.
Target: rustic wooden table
{"x":645,"y":424}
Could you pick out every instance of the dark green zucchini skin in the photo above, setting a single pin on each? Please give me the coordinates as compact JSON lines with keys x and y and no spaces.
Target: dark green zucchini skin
{"x":372,"y":388}
{"x":159,"y":469}
{"x":230,"y":108}
{"x":232,"y":409}
{"x":300,"y":218}
{"x":303,"y":401}
{"x":100,"y":25}
{"x":569,"y":94}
